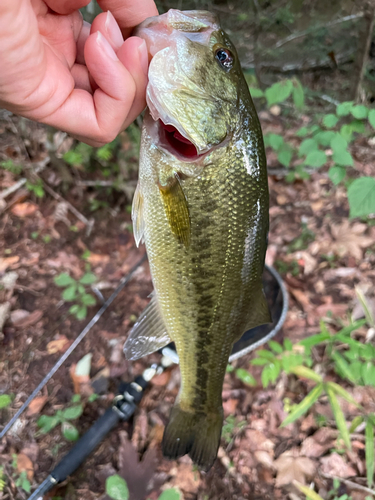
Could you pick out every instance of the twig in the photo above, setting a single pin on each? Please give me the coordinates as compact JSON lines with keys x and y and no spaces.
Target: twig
{"x":351,"y":484}
{"x":89,"y":223}
{"x":39,"y":166}
{"x":290,"y":38}
{"x":95,"y":183}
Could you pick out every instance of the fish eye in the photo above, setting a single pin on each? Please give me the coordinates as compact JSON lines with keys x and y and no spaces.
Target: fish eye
{"x":225,"y":58}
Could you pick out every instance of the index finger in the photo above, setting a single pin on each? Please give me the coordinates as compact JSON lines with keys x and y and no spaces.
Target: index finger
{"x":129,"y":13}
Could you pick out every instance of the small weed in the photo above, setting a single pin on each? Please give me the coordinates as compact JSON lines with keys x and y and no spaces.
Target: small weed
{"x":116,"y":488}
{"x":76,"y":291}
{"x":36,"y":188}
{"x":12,"y":167}
{"x":5,"y":400}
{"x":287,"y":267}
{"x":231,"y":427}
{"x":20,"y":478}
{"x":46,"y":423}
{"x":303,"y":240}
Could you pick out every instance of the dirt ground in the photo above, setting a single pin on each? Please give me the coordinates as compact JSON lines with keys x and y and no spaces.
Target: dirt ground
{"x":322,"y":257}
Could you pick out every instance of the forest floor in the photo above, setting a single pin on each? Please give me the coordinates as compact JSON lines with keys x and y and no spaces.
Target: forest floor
{"x":322,"y":256}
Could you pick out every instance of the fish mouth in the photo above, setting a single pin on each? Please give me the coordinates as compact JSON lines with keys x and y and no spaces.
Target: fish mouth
{"x":177,"y":144}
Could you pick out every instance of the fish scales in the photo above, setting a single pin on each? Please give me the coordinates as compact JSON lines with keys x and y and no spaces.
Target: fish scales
{"x":204,"y":223}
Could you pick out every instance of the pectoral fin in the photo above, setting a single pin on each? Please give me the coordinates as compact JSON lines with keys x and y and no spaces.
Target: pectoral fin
{"x":148,"y":334}
{"x":137,"y":216}
{"x":176,"y":209}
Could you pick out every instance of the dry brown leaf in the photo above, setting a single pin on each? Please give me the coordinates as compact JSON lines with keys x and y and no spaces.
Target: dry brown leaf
{"x":311,"y":448}
{"x":24,"y":209}
{"x":27,"y":320}
{"x":264,"y":458}
{"x":95,"y":259}
{"x":25,"y":464}
{"x":36,"y":405}
{"x":290,"y":466}
{"x":256,"y":440}
{"x":18,"y":315}
{"x":348,"y":240}
{"x":334,"y":465}
{"x":60,"y":344}
{"x":6,"y":262}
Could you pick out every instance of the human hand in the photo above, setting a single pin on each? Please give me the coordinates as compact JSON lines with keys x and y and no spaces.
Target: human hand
{"x":56,"y":69}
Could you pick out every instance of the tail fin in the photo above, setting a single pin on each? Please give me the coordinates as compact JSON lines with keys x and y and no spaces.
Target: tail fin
{"x":197,"y":434}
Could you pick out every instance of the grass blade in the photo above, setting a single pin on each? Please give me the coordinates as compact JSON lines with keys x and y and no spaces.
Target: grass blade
{"x":343,"y":365}
{"x":355,"y":423}
{"x":338,"y":414}
{"x":303,"y":371}
{"x":365,"y":306}
{"x":369,"y":434}
{"x":337,"y":389}
{"x":304,"y":405}
{"x":308,"y":492}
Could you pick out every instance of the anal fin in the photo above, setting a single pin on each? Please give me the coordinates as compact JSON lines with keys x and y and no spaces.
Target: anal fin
{"x":259,"y":313}
{"x":148,"y":334}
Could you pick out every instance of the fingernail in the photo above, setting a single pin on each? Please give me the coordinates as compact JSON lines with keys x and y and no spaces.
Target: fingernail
{"x":113,"y":31}
{"x":105,"y":46}
{"x":143,"y":56}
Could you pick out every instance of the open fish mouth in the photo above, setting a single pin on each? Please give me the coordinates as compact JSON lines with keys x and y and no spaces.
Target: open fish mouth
{"x":177,"y":144}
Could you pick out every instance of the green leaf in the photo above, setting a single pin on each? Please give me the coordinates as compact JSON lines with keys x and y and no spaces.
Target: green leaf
{"x":340,"y":391}
{"x":116,"y":487}
{"x":88,"y":300}
{"x":357,"y":126}
{"x":245,"y":377}
{"x":304,"y":405}
{"x":88,"y":279}
{"x":5,"y":400}
{"x":266,"y":376}
{"x":275,"y":346}
{"x":337,"y":174}
{"x":306,"y":146}
{"x":276,"y":141}
{"x":369,"y":446}
{"x":278,"y":92}
{"x":347,"y":132}
{"x":338,"y":414}
{"x":285,"y":157}
{"x":343,"y":158}
{"x":344,"y":108}
{"x":74,"y":309}
{"x":360,"y":112}
{"x":76,"y":398}
{"x":368,"y":373}
{"x":371,"y":118}
{"x":170,"y":494}
{"x":343,"y":367}
{"x":259,"y":361}
{"x":64,"y":280}
{"x":308,"y":492}
{"x":256,"y":93}
{"x":69,"y":431}
{"x":47,"y":423}
{"x":361,"y":196}
{"x":316,"y":159}
{"x":325,"y":137}
{"x":72,"y":412}
{"x":304,"y":372}
{"x":330,"y":120}
{"x":70,"y":293}
{"x":355,"y":423}
{"x":298,"y":94}
{"x":315,"y":339}
{"x":263,"y":353}
{"x":288,"y":346}
{"x":302,"y":132}
{"x":81,"y":313}
{"x":338,"y":143}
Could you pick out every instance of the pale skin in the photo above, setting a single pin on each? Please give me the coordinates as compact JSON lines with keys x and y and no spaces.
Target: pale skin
{"x":89,"y":81}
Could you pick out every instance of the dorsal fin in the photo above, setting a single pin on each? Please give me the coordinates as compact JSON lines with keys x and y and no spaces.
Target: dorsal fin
{"x":148,"y":334}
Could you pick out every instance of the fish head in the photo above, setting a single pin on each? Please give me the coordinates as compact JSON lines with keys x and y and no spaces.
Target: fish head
{"x":194,"y":82}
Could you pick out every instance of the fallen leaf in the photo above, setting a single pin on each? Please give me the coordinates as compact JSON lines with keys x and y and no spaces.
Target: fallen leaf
{"x":348,"y":240}
{"x":80,"y":374}
{"x":290,"y":466}
{"x":335,"y":465}
{"x":25,"y":464}
{"x":264,"y":458}
{"x":36,"y":405}
{"x":6,"y":262}
{"x":256,"y":440}
{"x":27,"y":320}
{"x":311,"y":448}
{"x":162,"y":379}
{"x":95,"y":259}
{"x":24,"y":209}
{"x":60,"y":344}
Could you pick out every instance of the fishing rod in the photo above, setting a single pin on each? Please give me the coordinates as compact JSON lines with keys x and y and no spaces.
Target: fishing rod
{"x":130,"y":393}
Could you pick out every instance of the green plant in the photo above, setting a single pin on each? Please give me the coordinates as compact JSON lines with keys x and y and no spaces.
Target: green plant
{"x":2,"y":479}
{"x":12,"y":167}
{"x":46,"y":423}
{"x":326,"y":140}
{"x":20,"y":478}
{"x":116,"y":488}
{"x":5,"y":400}
{"x":36,"y":188}
{"x":349,"y":358}
{"x":76,"y":291}
{"x":231,"y":427}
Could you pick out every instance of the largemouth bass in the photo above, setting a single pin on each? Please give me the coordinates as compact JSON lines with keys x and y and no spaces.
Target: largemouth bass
{"x":201,"y":206}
